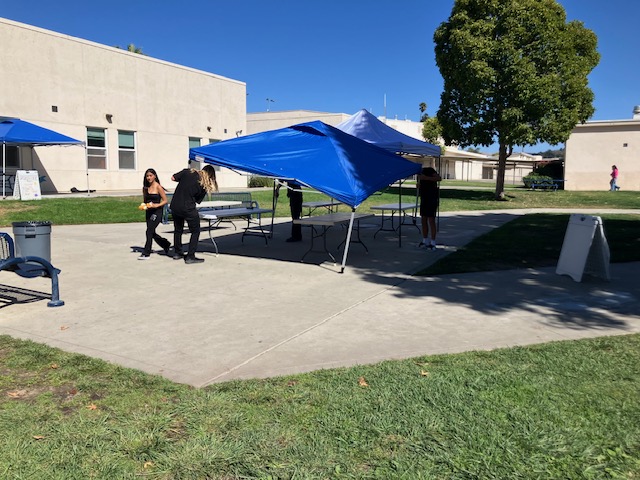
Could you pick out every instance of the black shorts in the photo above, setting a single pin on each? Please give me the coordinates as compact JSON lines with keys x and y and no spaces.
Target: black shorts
{"x":428,"y":208}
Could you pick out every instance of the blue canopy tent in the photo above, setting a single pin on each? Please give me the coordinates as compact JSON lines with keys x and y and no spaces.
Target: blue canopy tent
{"x":314,"y":154}
{"x":367,"y":127}
{"x":16,"y":132}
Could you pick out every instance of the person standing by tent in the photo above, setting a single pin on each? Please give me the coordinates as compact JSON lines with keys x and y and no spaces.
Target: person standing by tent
{"x":614,"y":179}
{"x":193,"y":185}
{"x":429,"y":202}
{"x":154,"y":199}
{"x":294,"y":192}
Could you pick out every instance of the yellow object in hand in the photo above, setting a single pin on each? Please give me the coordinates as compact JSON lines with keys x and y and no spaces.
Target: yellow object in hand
{"x":144,"y":206}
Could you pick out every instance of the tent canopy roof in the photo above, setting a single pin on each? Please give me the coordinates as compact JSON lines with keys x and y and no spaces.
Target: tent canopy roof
{"x":315,"y":154}
{"x":14,"y":131}
{"x":367,"y":127}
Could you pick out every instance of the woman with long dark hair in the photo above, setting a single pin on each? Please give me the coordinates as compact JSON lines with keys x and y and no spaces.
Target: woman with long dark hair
{"x":193,"y":185}
{"x":154,"y":198}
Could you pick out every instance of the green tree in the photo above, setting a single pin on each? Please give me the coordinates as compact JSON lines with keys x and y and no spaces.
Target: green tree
{"x":423,"y":111}
{"x":515,"y":72}
{"x":132,"y":48}
{"x":432,"y":130}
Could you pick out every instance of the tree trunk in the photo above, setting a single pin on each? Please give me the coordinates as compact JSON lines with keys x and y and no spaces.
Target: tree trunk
{"x":502,"y":164}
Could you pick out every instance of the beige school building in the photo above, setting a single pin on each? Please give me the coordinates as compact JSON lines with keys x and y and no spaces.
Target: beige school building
{"x":595,"y":146}
{"x":132,"y":111}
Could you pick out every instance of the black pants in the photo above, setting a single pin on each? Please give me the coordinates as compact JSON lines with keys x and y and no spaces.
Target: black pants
{"x":154,"y":217}
{"x":193,"y":221}
{"x":295,"y":204}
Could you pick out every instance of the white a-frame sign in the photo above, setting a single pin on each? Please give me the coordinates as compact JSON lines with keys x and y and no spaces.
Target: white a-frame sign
{"x":27,"y":186}
{"x":585,"y":249}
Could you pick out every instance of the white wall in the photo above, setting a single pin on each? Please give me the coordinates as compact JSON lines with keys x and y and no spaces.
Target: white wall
{"x":264,"y":121}
{"x":591,"y":150}
{"x":163,"y":103}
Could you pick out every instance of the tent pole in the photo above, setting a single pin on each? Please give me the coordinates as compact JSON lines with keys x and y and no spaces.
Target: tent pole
{"x":348,"y":241}
{"x":400,"y":215}
{"x":274,"y":202}
{"x":86,"y":159}
{"x":438,"y":210}
{"x":4,"y":159}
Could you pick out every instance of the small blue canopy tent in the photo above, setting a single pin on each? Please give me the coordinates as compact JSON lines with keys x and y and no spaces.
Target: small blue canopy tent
{"x":367,"y":127}
{"x":317,"y":155}
{"x":16,"y":132}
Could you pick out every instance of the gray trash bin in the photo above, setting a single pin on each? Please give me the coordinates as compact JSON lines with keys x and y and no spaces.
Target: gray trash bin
{"x":32,"y":239}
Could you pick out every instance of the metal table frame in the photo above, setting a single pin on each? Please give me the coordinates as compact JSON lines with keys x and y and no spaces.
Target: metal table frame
{"x":402,"y":214}
{"x":326,"y":222}
{"x":254,"y":228}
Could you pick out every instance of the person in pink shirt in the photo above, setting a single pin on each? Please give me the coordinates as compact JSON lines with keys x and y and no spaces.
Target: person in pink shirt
{"x":614,"y":179}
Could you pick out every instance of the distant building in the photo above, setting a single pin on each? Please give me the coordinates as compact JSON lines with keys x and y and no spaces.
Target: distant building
{"x":455,"y":164}
{"x":265,"y":121}
{"x":593,"y":147}
{"x":133,"y":111}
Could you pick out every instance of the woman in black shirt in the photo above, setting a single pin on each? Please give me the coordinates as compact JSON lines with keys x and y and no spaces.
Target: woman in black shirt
{"x":155,"y":198}
{"x":193,"y":185}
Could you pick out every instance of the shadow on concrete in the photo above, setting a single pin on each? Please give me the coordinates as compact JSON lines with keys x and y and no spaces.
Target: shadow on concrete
{"x":15,"y":295}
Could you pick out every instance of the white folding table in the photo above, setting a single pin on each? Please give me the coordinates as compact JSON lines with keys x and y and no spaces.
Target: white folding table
{"x":328,"y":204}
{"x":402,"y":209}
{"x":326,"y":222}
{"x":254,"y":228}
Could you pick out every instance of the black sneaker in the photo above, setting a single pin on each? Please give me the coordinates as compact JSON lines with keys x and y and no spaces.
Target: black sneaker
{"x":178,"y":256}
{"x":166,"y":249}
{"x":292,"y":239}
{"x":190,"y":260}
{"x":143,"y":257}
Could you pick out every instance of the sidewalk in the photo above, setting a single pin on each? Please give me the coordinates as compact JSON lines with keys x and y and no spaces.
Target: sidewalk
{"x":257,"y":311}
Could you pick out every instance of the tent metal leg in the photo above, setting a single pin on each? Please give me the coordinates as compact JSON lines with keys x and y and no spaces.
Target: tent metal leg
{"x":348,"y":241}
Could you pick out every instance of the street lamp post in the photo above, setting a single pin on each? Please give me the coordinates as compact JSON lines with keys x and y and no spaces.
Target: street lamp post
{"x":269,"y":100}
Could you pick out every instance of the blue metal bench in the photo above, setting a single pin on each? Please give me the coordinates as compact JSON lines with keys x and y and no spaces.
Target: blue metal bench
{"x":243,"y":197}
{"x":544,"y":185}
{"x":29,"y":267}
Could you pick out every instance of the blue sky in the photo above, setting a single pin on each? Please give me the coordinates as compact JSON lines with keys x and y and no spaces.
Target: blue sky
{"x":332,"y":56}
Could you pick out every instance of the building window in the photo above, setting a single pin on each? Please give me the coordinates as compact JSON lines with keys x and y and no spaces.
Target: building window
{"x":13,"y":156}
{"x":194,"y":142}
{"x":487,"y":173}
{"x":126,"y":150}
{"x":96,"y":148}
{"x":215,"y":140}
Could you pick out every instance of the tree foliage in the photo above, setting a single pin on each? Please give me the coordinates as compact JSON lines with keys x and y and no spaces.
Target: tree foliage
{"x":423,"y":111}
{"x":515,"y":72}
{"x":432,"y":130}
{"x":133,"y":49}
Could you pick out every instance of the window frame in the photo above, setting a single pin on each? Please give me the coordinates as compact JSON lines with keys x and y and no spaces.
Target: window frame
{"x":104,"y":149}
{"x":127,"y":150}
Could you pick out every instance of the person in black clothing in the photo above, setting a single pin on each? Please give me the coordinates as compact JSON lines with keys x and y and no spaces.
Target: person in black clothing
{"x":155,"y":198}
{"x":294,"y":192}
{"x":193,"y":185}
{"x":429,"y":202}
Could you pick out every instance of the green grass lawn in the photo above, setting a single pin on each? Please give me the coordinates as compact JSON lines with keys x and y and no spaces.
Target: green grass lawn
{"x":86,"y":210}
{"x":535,"y":240}
{"x":563,"y":410}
